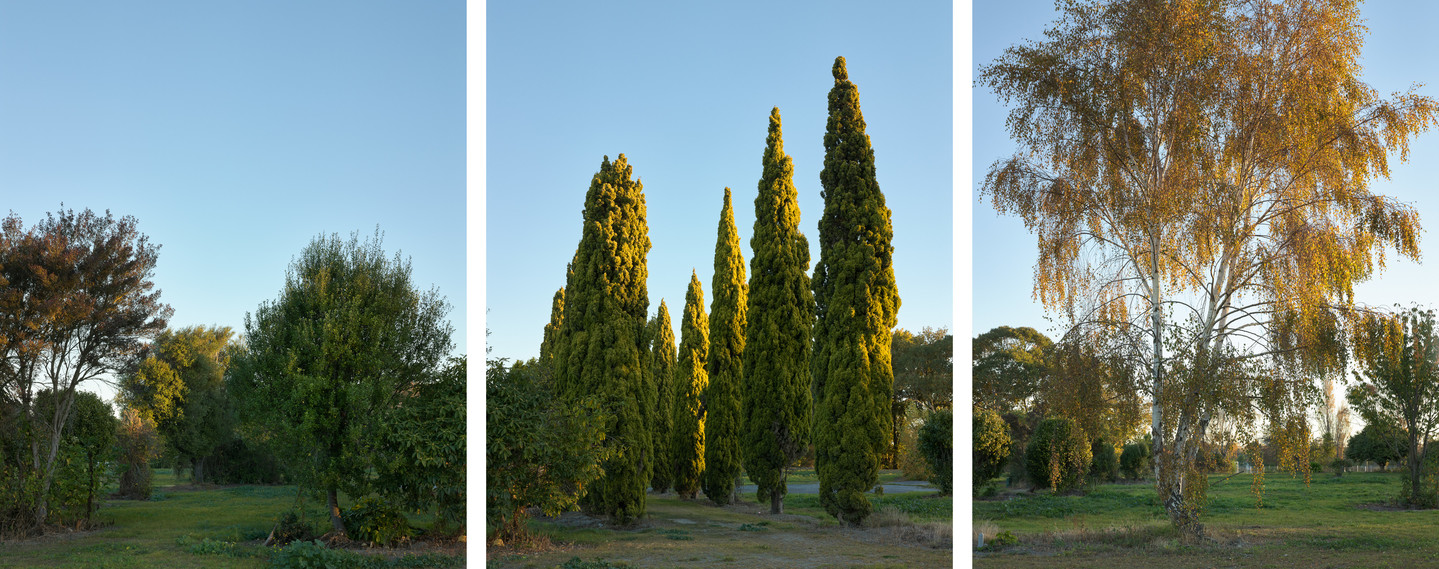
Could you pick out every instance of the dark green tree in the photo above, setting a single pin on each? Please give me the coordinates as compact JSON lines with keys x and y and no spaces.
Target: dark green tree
{"x":662,"y":369}
{"x":936,"y":443}
{"x":688,"y":444}
{"x":422,"y":466}
{"x":601,"y":347}
{"x":857,"y":303}
{"x":725,"y":364}
{"x":552,"y":329}
{"x":347,"y":337}
{"x":778,"y":405}
{"x":1380,"y":443}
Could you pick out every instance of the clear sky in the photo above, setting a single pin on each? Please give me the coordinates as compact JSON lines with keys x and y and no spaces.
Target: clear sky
{"x":1397,"y":53}
{"x":235,"y":132}
{"x":684,"y":90}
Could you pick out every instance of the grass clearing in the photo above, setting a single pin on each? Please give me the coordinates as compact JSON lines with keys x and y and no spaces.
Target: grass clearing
{"x":1333,"y":522}
{"x":178,"y":527}
{"x":682,"y":533}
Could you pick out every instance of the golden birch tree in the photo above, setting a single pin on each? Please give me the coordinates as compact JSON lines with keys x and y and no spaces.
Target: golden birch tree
{"x":1197,"y":173}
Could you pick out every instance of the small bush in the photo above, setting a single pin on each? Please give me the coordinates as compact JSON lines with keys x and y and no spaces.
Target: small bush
{"x":1340,"y":465}
{"x":936,"y":442}
{"x":991,"y":447}
{"x":374,"y":521}
{"x":1105,"y":465}
{"x":1058,"y":455}
{"x":1134,"y":461}
{"x":291,"y":527}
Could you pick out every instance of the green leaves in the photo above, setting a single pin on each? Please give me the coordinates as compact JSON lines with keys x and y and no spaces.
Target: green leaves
{"x":688,"y":442}
{"x":777,"y":402}
{"x":602,"y":344}
{"x":857,"y":302}
{"x":724,"y":364}
{"x":327,"y":359}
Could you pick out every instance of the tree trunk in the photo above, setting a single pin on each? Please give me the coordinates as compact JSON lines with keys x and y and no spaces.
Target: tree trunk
{"x":776,"y":502}
{"x":197,"y":474}
{"x":1416,"y":465}
{"x":332,"y":497}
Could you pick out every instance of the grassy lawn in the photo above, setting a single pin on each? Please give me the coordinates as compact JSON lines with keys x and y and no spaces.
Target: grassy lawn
{"x":219,"y":527}
{"x":910,"y":530}
{"x":1334,"y":522}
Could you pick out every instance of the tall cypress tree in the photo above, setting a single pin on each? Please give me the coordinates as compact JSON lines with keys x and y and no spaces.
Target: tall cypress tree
{"x":552,"y":330}
{"x":777,"y":401}
{"x":601,"y":343}
{"x":725,"y":364}
{"x":688,"y":444}
{"x":856,"y":306}
{"x":662,"y":366}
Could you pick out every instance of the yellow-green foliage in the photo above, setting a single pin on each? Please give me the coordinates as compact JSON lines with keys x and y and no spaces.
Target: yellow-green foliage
{"x":778,"y":404}
{"x":856,"y":305}
{"x":1058,"y":456}
{"x":991,"y":446}
{"x":688,"y":444}
{"x":601,"y":349}
{"x":725,"y":363}
{"x":552,"y":329}
{"x":662,"y":369}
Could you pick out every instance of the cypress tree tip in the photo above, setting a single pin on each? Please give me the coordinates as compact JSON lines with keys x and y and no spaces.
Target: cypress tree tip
{"x":726,"y":197}
{"x":840,"y":74}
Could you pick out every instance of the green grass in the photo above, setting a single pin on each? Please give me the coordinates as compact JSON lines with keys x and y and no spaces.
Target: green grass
{"x":1323,"y":524}
{"x":175,"y":528}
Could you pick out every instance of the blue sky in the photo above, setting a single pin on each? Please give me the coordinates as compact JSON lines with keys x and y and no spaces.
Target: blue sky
{"x":1396,"y":54}
{"x":237,"y":132}
{"x":684,"y":90}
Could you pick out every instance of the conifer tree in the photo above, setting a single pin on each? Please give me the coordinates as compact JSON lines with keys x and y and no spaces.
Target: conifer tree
{"x":856,"y":306}
{"x":662,"y":369}
{"x":725,"y":364}
{"x":778,"y":405}
{"x":552,"y":330}
{"x":601,"y":341}
{"x":688,"y":444}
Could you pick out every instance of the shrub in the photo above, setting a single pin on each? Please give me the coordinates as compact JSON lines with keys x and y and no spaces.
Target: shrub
{"x":376,"y":522}
{"x":1134,"y":460}
{"x":1105,"y":464}
{"x":530,"y":431}
{"x":1340,"y":465}
{"x":291,"y":527}
{"x":137,"y":443}
{"x":1058,"y":455}
{"x":991,"y":447}
{"x":936,"y":443}
{"x":911,"y":462}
